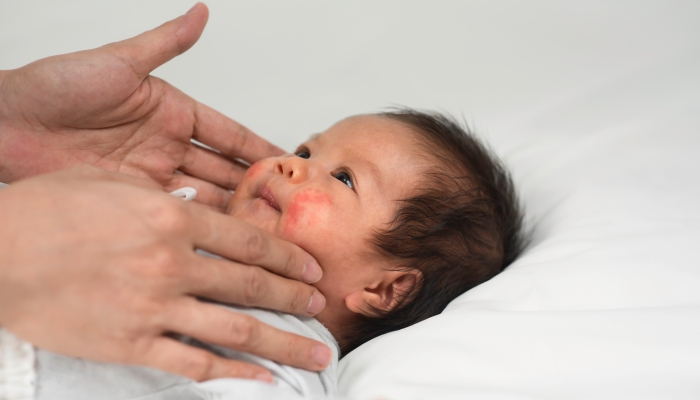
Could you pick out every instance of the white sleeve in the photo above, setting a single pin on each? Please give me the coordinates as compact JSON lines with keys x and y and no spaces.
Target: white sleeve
{"x":16,"y":368}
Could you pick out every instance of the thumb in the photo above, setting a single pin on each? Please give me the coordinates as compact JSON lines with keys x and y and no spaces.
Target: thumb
{"x":151,"y":49}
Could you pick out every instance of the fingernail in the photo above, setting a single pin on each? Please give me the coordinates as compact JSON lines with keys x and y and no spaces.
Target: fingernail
{"x":321,"y":355}
{"x":193,"y":7}
{"x":316,"y":303}
{"x":312,"y":272}
{"x":264,"y":377}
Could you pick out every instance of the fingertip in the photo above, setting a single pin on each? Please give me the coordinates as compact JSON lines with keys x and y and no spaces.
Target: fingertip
{"x":311,"y":272}
{"x":194,"y":7}
{"x":316,"y":304}
{"x":264,"y":376}
{"x":199,"y":8}
{"x":192,"y":26}
{"x":321,"y":356}
{"x":249,"y":371}
{"x":151,"y":49}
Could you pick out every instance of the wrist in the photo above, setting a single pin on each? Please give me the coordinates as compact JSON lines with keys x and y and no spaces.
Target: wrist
{"x":12,"y":148}
{"x":4,"y":131}
{"x":3,"y":103}
{"x":4,"y":178}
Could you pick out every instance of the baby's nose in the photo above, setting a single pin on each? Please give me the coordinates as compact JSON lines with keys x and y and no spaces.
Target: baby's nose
{"x":294,"y":168}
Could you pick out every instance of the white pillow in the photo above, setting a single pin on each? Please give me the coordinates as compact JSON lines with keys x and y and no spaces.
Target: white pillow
{"x":605,"y":303}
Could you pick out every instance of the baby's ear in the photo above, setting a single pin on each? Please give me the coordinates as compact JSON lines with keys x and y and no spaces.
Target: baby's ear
{"x":383,"y":295}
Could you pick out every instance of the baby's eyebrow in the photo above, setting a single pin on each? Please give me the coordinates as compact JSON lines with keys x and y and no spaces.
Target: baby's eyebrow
{"x":314,"y":136}
{"x":375,"y":172}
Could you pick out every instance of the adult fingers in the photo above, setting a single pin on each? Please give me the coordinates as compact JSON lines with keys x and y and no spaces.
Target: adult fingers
{"x":178,"y":358}
{"x":237,"y":240}
{"x":208,"y":194}
{"x":229,"y":137}
{"x":151,"y":49}
{"x":230,"y":282}
{"x":215,"y":324}
{"x":210,"y":166}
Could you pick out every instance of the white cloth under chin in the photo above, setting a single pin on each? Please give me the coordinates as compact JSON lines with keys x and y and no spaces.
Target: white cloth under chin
{"x":17,"y":374}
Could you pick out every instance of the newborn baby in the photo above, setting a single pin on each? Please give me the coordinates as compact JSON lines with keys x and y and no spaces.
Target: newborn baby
{"x":403,"y":210}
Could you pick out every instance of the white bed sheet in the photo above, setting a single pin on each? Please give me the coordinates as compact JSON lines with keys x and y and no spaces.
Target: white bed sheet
{"x":595,"y":106}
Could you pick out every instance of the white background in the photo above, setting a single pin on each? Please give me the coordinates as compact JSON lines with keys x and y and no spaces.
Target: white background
{"x":289,"y":69}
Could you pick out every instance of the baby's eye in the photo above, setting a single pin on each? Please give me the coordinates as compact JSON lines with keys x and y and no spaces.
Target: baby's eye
{"x":345,"y":178}
{"x":303,"y":154}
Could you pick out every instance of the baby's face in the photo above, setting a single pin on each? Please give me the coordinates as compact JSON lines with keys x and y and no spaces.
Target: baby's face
{"x":331,"y":195}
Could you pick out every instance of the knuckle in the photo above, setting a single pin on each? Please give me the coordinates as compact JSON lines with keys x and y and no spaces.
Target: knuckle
{"x":160,"y":262}
{"x":199,"y":366}
{"x":242,"y":138}
{"x":169,"y":217}
{"x":292,"y":351}
{"x":255,"y":287}
{"x":145,"y":313}
{"x":243,"y":330}
{"x":289,"y":267}
{"x":256,"y":246}
{"x":299,"y":301}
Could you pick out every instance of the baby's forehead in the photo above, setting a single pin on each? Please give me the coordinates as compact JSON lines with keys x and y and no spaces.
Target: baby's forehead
{"x":388,"y":149}
{"x":367,"y":130}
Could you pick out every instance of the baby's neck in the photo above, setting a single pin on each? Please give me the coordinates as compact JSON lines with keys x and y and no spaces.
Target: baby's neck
{"x":337,"y":319}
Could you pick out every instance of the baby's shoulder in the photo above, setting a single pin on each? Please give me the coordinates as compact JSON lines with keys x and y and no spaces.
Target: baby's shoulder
{"x":300,"y":381}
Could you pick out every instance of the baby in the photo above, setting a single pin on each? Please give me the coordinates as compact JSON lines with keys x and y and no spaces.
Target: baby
{"x":403,"y":210}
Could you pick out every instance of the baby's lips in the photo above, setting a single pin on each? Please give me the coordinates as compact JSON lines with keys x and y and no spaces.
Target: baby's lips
{"x":266,"y":194}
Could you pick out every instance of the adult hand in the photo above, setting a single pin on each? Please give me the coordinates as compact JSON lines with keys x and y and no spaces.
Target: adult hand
{"x":102,"y":107}
{"x":101,"y":265}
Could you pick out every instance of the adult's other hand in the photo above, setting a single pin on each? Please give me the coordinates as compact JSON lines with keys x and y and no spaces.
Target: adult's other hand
{"x":101,"y":107}
{"x":101,"y":265}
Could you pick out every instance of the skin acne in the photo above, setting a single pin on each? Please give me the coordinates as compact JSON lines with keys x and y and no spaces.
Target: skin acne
{"x":302,"y":212}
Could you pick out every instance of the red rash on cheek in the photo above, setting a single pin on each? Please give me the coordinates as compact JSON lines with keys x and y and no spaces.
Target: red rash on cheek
{"x":305,"y":210}
{"x":254,"y":170}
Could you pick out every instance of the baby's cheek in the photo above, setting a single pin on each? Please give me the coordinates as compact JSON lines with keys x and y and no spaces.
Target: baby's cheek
{"x":255,"y":170}
{"x":307,"y":211}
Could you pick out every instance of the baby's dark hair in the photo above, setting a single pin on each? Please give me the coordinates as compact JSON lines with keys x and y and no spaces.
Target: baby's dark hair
{"x":459,"y":229}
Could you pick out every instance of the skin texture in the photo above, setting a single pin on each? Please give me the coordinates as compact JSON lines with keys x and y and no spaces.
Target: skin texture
{"x":99,"y":264}
{"x":303,"y":201}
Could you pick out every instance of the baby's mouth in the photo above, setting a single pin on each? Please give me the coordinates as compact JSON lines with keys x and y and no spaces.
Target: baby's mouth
{"x":266,"y":195}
